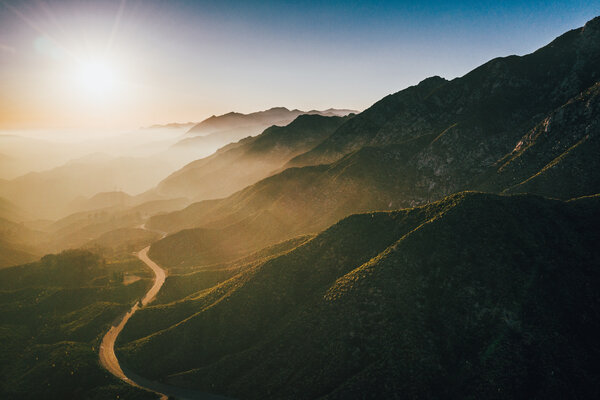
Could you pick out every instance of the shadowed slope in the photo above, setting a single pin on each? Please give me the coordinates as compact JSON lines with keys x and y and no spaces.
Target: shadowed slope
{"x":559,"y":157}
{"x":486,"y":111}
{"x":476,"y":296}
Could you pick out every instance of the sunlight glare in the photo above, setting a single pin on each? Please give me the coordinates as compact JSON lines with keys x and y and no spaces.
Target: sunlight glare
{"x":96,"y":78}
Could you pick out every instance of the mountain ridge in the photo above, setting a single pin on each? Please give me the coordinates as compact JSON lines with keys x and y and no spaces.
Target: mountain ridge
{"x":388,"y":314}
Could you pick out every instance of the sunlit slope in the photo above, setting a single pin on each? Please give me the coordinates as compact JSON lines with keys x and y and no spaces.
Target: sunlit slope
{"x":54,"y":193}
{"x":505,"y":126}
{"x":217,"y":131}
{"x":19,"y":244}
{"x":243,"y":163}
{"x":477,"y":295}
{"x":558,"y":158}
{"x":296,"y":201}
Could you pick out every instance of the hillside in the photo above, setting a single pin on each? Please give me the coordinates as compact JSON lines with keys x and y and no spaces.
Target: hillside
{"x":393,"y":162}
{"x":102,"y":200}
{"x":19,"y":244}
{"x":51,"y":193}
{"x":106,"y":229}
{"x":558,"y":158}
{"x":123,"y":241}
{"x":243,"y":163}
{"x":474,"y":296}
{"x":478,"y":118}
{"x":11,"y":211}
{"x":219,"y":131}
{"x":53,"y":314}
{"x":16,"y":253}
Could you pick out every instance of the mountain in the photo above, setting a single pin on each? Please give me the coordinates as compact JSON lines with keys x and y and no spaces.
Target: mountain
{"x":422,"y":143}
{"x":557,"y":158}
{"x":256,"y":121}
{"x":15,"y":253}
{"x":103,"y":200}
{"x":218,"y":131}
{"x":479,"y":117}
{"x":243,"y":163}
{"x":474,"y":296}
{"x":19,"y":244}
{"x":21,"y":155}
{"x":91,"y":227}
{"x":11,"y":211}
{"x":119,"y":242}
{"x":51,"y":193}
{"x":185,"y":281}
{"x":53,"y":314}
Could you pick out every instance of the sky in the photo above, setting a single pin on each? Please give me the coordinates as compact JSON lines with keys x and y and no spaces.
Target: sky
{"x":123,"y":64}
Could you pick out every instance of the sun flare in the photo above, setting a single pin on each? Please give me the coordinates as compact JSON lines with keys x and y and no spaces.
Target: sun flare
{"x":96,"y":78}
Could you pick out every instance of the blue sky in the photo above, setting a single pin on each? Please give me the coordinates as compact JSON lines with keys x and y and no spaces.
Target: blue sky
{"x":185,"y":60}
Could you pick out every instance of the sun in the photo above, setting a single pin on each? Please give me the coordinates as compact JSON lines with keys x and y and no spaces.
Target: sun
{"x":96,"y":78}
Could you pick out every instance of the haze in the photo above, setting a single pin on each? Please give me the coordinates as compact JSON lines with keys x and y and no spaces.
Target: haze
{"x":118,"y":65}
{"x":299,"y":200}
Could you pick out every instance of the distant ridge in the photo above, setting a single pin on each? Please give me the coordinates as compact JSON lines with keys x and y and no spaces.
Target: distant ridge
{"x":273,"y":116}
{"x":514,"y":124}
{"x":243,"y":163}
{"x":171,"y":125}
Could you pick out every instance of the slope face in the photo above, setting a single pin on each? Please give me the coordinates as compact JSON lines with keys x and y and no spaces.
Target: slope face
{"x":479,"y":116}
{"x":240,"y":164}
{"x":472,"y":126}
{"x":296,"y":201}
{"x":475,"y":296}
{"x":559,"y":157}
{"x":19,"y":244}
{"x":50,"y":194}
{"x":11,"y":211}
{"x":53,"y":314}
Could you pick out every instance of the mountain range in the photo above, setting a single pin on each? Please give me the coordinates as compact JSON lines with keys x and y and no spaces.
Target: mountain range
{"x":473,"y":296}
{"x":215,"y":132}
{"x":423,"y":143}
{"x":439,"y":244}
{"x":240,"y":164}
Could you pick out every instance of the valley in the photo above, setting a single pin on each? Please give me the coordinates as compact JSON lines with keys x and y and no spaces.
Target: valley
{"x":440,"y":242}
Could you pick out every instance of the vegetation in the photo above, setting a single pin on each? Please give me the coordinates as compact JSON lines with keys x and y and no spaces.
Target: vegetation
{"x":475,"y":296}
{"x":484,"y":131}
{"x":413,"y":288}
{"x":53,"y":315}
{"x":122,"y":241}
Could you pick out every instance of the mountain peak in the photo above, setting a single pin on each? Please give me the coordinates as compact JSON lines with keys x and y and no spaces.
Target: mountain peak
{"x":435,"y":80}
{"x":593,"y":23}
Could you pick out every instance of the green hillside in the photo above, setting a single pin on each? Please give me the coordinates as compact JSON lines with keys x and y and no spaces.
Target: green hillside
{"x":475,"y":296}
{"x":52,"y":317}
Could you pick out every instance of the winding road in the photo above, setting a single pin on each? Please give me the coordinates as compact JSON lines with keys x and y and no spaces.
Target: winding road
{"x":109,"y":360}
